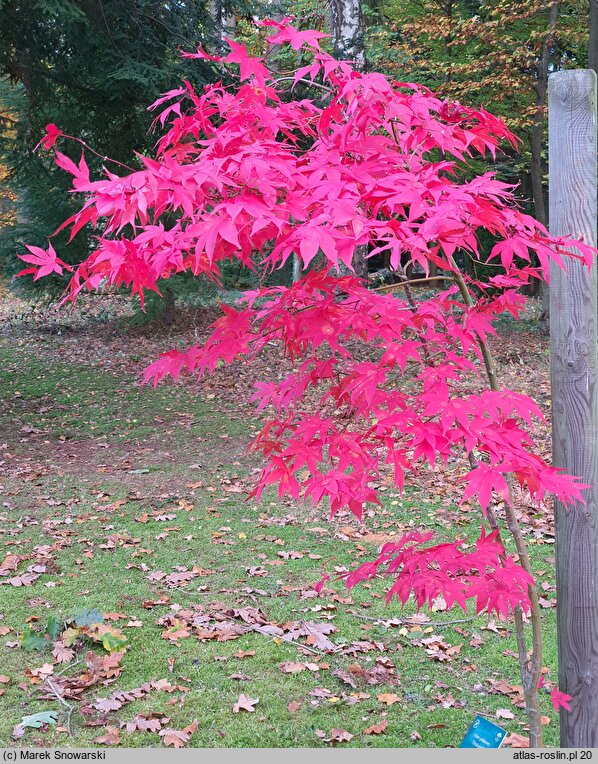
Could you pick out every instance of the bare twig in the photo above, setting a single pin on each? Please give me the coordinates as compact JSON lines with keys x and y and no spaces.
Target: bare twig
{"x":69,"y":708}
{"x":282,"y":638}
{"x":407,"y":622}
{"x":69,"y":667}
{"x":307,"y":82}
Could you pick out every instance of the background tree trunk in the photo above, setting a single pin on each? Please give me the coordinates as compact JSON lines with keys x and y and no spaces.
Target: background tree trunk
{"x":537,"y":142}
{"x":224,"y":23}
{"x":347,"y":31}
{"x":348,"y":36}
{"x":593,"y":37}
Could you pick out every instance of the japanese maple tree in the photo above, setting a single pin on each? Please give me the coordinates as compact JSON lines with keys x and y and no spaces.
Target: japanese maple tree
{"x":378,"y":382}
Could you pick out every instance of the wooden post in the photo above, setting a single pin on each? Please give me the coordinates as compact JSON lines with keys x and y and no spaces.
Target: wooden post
{"x":574,"y":362}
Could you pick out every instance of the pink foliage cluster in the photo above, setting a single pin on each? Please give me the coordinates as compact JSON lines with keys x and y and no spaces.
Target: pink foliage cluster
{"x":485,"y":574}
{"x":248,"y":174}
{"x":397,"y":407}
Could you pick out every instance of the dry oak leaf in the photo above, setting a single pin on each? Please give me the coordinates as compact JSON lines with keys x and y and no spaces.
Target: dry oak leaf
{"x":151,"y":722}
{"x":178,"y":738}
{"x":105,"y":666}
{"x":388,"y":698}
{"x":62,"y":653}
{"x":179,"y":632}
{"x":376,"y":729}
{"x":517,"y":741}
{"x":110,"y":737}
{"x":338,"y":736}
{"x":245,"y":703}
{"x":291,"y":667}
{"x":163,"y":685}
{"x":504,"y":713}
{"x":37,"y":675}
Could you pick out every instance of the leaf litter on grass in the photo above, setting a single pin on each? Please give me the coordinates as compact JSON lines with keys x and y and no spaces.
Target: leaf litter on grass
{"x":96,"y":522}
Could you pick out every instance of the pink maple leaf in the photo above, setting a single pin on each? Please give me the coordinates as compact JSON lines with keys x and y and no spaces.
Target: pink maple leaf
{"x":560,"y":699}
{"x":45,"y":262}
{"x":249,"y":65}
{"x":482,"y":480}
{"x":296,"y":39}
{"x":320,"y":584}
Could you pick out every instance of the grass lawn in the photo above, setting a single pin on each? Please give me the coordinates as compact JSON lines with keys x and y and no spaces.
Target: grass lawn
{"x":132,"y":503}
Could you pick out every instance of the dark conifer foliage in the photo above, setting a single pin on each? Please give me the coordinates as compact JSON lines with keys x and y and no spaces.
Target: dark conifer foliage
{"x":91,"y":67}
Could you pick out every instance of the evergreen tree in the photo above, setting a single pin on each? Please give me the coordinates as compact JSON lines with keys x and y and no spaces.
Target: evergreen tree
{"x":90,"y":67}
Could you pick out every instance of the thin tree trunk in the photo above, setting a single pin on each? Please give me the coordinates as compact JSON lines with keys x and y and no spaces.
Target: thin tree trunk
{"x":224,"y":23}
{"x":448,"y":9}
{"x":537,"y":132}
{"x":530,"y":667}
{"x":168,"y":306}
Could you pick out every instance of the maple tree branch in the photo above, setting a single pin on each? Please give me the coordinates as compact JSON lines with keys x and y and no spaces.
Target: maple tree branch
{"x":486,"y":354}
{"x":103,"y":157}
{"x":400,"y":284}
{"x":307,"y":82}
{"x":298,"y":645}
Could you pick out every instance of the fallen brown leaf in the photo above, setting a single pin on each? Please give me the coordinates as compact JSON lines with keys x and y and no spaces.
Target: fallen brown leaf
{"x":244,"y":654}
{"x":338,"y":736}
{"x":376,"y":729}
{"x":504,"y":713}
{"x":151,"y":722}
{"x":245,"y":703}
{"x":110,"y":737}
{"x":516,"y":741}
{"x":177,"y":738}
{"x":388,"y":698}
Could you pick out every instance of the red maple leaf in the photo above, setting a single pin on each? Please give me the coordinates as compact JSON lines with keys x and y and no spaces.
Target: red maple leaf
{"x":50,"y":137}
{"x":560,"y":699}
{"x":45,"y":261}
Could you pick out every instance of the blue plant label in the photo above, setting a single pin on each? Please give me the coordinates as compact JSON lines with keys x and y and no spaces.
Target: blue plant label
{"x":483,"y":734}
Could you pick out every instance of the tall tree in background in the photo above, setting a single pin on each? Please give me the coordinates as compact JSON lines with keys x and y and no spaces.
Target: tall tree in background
{"x":224,"y":21}
{"x":348,"y":32}
{"x":495,"y":54}
{"x":349,"y":43}
{"x":593,"y":37}
{"x":89,"y":66}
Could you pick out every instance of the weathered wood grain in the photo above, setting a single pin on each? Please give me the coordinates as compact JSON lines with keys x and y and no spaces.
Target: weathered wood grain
{"x":574,"y":366}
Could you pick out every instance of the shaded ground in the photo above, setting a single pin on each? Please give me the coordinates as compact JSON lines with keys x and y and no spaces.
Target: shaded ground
{"x":124,"y":521}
